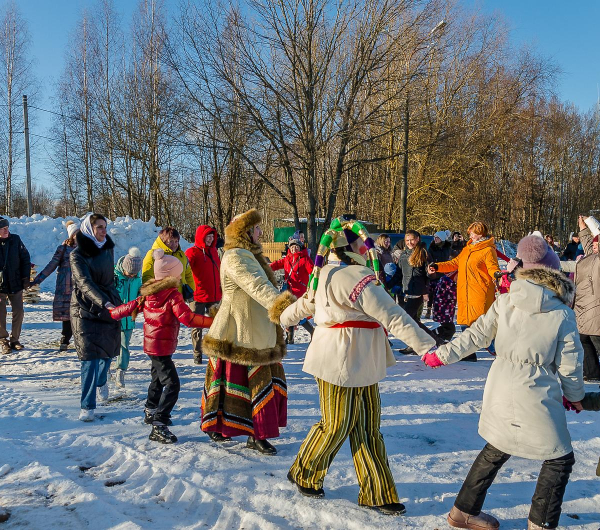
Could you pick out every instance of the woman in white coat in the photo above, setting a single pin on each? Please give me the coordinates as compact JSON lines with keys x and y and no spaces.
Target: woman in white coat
{"x":348,"y":356}
{"x":539,"y":359}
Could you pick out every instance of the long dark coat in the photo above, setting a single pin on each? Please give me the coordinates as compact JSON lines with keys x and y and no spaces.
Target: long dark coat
{"x":15,"y":264}
{"x":62,"y":294}
{"x":96,"y":334}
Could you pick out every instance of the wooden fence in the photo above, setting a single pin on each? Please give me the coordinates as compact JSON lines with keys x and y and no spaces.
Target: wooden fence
{"x":273,"y":250}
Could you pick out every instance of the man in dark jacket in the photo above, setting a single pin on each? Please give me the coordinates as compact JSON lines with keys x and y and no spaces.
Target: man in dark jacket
{"x":572,"y":249}
{"x":14,"y":277}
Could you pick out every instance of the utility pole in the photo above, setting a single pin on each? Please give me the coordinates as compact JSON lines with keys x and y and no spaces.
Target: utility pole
{"x":27,"y":159}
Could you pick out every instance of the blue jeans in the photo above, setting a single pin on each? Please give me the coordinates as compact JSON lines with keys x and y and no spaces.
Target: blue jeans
{"x":123,"y":358}
{"x":93,"y":375}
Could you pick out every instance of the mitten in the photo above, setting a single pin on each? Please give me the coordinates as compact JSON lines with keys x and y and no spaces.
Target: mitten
{"x":569,"y":406}
{"x":431,"y":359}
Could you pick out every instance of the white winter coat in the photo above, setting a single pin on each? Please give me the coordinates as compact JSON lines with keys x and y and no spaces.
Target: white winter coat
{"x":353,"y":357}
{"x":539,"y":357}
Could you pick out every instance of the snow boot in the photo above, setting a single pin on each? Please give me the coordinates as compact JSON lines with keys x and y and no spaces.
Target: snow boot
{"x":289,"y":336}
{"x":16,"y":345}
{"x":393,"y":508}
{"x":120,"y":378}
{"x":218,"y":437}
{"x":533,"y":526}
{"x":86,"y":415}
{"x":102,"y":393}
{"x":262,"y":446}
{"x":162,"y":434}
{"x":63,"y":346}
{"x":307,"y":492}
{"x":197,"y":357}
{"x":149,"y":418}
{"x":6,"y":349}
{"x":483,"y":521}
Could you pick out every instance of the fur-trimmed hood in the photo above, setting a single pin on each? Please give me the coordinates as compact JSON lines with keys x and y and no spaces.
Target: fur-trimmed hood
{"x":553,"y":280}
{"x":236,"y":232}
{"x":156,"y":286}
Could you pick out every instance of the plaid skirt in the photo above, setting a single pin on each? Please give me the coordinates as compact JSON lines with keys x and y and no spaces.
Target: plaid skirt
{"x":240,"y":400}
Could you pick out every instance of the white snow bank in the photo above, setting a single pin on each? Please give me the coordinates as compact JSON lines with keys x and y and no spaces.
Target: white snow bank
{"x":42,"y":234}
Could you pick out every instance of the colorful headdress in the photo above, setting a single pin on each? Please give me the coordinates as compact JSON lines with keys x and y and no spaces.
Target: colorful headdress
{"x":341,"y":232}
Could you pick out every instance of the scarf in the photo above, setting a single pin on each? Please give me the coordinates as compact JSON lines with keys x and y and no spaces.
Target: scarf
{"x":88,"y":231}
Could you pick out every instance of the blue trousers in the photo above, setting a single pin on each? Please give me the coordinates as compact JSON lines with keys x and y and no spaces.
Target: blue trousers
{"x":93,"y":375}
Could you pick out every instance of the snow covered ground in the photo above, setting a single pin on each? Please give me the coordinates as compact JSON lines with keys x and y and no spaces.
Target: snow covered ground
{"x":56,"y":472}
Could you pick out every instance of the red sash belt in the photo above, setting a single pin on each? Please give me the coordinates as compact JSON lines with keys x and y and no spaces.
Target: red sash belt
{"x":357,"y":324}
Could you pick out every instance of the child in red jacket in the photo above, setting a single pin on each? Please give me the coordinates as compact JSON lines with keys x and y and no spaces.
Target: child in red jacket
{"x":164,"y":308}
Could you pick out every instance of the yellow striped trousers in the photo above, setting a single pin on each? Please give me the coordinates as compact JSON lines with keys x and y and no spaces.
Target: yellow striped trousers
{"x":354,"y":412}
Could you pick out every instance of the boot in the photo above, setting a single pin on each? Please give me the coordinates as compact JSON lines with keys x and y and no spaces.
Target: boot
{"x":16,"y":345}
{"x":86,"y":415}
{"x":197,"y":357}
{"x":63,"y":346}
{"x":533,"y":526}
{"x":162,"y":434}
{"x":102,"y":393}
{"x":120,"y":378}
{"x":262,"y":446}
{"x":483,"y":521}
{"x":6,"y":349}
{"x":149,"y":418}
{"x":218,"y":437}
{"x":307,"y":492}
{"x":289,"y":336}
{"x":393,"y":508}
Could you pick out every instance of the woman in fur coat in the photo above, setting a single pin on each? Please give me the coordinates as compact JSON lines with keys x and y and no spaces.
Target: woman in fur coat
{"x":245,"y":391}
{"x":539,"y":359}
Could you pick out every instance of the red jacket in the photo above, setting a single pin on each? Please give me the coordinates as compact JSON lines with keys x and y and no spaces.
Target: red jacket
{"x":164,"y":308}
{"x":297,"y":268}
{"x":205,"y":265}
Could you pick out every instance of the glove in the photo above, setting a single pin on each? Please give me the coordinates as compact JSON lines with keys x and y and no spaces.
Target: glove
{"x":431,"y":359}
{"x":569,"y":406}
{"x":498,"y":275}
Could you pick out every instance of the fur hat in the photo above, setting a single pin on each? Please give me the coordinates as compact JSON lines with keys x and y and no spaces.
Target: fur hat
{"x":165,"y":265}
{"x":441,"y":235}
{"x":535,"y":252}
{"x":71,"y":227}
{"x":132,"y":262}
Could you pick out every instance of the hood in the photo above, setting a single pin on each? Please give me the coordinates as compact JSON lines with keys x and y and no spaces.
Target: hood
{"x":236,"y":232}
{"x":156,"y":286}
{"x":201,"y":232}
{"x":540,"y":290}
{"x":158,"y":243}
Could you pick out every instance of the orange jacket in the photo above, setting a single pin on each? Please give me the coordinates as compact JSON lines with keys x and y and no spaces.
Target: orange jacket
{"x":476,"y":265}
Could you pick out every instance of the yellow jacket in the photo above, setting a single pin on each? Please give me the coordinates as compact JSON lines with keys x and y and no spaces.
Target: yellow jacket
{"x":148,"y":265}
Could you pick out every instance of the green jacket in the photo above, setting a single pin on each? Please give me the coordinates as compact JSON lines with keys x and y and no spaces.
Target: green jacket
{"x":128,"y":289}
{"x":148,"y":265}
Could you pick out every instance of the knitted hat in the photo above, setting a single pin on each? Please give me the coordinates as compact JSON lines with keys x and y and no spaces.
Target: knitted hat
{"x":293,"y":241}
{"x":132,"y":262}
{"x":535,"y":252}
{"x":341,"y":234}
{"x":441,"y":234}
{"x":3,"y":222}
{"x":165,"y":265}
{"x":71,"y":227}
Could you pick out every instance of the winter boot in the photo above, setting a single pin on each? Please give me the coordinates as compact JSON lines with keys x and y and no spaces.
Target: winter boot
{"x":483,"y":521}
{"x":262,"y":446}
{"x":393,"y":508}
{"x":64,"y":346}
{"x":162,"y":434}
{"x":307,"y":492}
{"x":149,"y":418}
{"x":197,"y":357}
{"x":218,"y":437}
{"x":308,"y":327}
{"x":86,"y":415}
{"x":102,"y":393}
{"x":289,"y":336}
{"x":120,"y":378}
{"x":533,"y":526}
{"x":16,"y":345}
{"x":6,"y":349}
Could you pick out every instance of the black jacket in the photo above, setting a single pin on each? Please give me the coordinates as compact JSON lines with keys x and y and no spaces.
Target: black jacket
{"x":570,"y":252}
{"x":15,"y":264}
{"x":414,"y":279}
{"x":437,"y":254}
{"x":96,"y":334}
{"x":456,"y":248}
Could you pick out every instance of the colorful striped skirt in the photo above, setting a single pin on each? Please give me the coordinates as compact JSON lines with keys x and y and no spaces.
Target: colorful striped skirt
{"x":240,"y":400}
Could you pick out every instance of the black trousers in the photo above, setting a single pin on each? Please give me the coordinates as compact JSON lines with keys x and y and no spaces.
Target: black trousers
{"x":200,"y":308}
{"x":414,"y":307}
{"x":549,"y":491}
{"x":164,"y":388}
{"x":67,"y":332}
{"x":591,"y":364}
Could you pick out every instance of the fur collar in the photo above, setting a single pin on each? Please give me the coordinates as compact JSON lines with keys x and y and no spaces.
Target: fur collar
{"x":156,"y":286}
{"x":236,"y":236}
{"x":88,"y":248}
{"x":552,"y":279}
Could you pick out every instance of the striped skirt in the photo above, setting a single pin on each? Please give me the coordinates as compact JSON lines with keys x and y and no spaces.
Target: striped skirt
{"x":240,"y":400}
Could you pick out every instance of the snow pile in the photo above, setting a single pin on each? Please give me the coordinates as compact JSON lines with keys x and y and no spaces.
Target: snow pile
{"x":42,"y":234}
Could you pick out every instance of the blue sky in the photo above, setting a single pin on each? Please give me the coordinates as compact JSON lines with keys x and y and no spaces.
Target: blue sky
{"x":565,"y":31}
